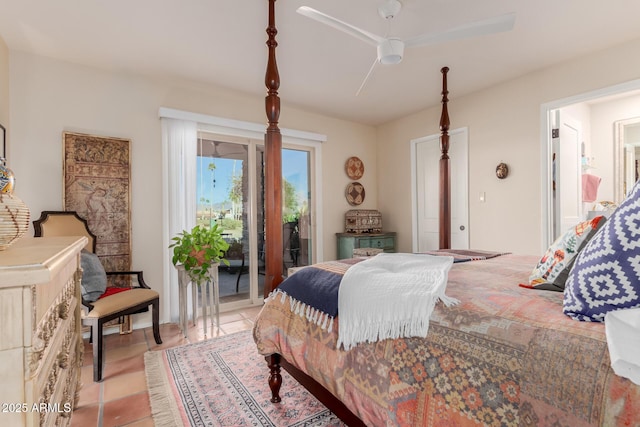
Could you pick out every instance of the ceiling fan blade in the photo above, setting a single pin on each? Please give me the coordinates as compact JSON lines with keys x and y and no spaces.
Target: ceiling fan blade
{"x":367,"y":76}
{"x":493,"y":25}
{"x":363,"y":35}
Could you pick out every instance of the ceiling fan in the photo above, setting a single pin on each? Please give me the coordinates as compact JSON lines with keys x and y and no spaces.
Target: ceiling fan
{"x":391,"y":49}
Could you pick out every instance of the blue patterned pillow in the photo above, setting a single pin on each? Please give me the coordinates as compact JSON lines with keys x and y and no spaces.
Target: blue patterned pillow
{"x":606,"y":273}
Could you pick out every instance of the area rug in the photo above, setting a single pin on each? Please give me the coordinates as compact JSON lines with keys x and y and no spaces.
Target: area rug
{"x":223,"y":382}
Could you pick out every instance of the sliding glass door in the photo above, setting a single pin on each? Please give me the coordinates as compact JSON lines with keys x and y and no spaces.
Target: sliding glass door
{"x":222,"y":198}
{"x":230,"y":193}
{"x":296,"y":212}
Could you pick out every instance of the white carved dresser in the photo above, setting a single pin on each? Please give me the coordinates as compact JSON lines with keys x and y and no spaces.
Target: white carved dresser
{"x":40,"y":337}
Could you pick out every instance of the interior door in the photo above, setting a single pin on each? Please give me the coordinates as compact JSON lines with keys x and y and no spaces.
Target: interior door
{"x":427,"y":182}
{"x":568,"y":173}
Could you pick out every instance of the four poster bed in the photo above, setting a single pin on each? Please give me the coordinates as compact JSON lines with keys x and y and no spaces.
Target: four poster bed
{"x":505,"y":355}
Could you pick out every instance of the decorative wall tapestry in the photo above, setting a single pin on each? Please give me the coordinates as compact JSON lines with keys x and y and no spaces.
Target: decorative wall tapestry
{"x":97,"y":186}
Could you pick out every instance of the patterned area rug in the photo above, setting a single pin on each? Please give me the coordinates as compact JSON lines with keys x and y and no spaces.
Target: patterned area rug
{"x":223,"y":382}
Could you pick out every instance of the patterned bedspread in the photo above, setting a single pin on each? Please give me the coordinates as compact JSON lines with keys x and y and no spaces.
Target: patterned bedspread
{"x":506,"y":356}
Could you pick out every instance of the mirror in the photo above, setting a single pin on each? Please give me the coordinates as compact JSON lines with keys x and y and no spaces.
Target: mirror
{"x":626,"y":156}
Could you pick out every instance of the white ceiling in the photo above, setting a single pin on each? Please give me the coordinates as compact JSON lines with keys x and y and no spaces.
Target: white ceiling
{"x":223,"y":42}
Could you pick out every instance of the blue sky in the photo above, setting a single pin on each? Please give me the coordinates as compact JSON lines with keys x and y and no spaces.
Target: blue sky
{"x":294,"y":170}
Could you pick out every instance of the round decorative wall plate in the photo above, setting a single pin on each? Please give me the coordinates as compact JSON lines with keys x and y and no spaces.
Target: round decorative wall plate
{"x":355,"y":193}
{"x":354,"y":168}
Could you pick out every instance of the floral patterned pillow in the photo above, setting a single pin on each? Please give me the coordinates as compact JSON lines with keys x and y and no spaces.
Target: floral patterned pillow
{"x":553,"y":268}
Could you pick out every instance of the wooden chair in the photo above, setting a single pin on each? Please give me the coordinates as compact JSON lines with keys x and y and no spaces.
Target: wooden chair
{"x":137,"y":299}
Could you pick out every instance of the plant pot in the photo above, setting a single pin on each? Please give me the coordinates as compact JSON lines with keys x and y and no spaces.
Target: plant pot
{"x":199,"y":255}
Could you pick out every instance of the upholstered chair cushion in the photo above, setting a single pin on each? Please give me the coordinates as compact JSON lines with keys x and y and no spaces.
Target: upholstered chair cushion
{"x":120,"y":302}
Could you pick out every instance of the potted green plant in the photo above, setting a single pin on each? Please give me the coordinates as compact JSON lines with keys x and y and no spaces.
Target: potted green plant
{"x":199,"y":249}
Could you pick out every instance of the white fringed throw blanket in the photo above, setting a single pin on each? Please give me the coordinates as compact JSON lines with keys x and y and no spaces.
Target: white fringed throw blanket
{"x":391,"y":295}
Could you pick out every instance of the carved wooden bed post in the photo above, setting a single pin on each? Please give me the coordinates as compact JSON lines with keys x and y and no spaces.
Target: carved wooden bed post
{"x":273,"y":164}
{"x":273,"y":189}
{"x":445,"y":174}
{"x":273,"y":227}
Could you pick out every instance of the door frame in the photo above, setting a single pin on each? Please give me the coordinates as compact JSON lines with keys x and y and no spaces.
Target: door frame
{"x":546,"y":149}
{"x":414,"y":199}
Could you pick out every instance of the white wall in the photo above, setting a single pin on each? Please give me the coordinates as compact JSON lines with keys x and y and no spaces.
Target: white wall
{"x":49,"y":97}
{"x":582,"y":113}
{"x":4,"y":86}
{"x":604,"y":115}
{"x":504,"y":126}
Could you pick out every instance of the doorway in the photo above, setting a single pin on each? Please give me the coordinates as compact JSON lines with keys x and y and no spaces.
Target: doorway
{"x":599,"y":156}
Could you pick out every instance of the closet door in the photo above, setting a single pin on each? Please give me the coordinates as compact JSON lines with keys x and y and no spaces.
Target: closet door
{"x":427,"y":181}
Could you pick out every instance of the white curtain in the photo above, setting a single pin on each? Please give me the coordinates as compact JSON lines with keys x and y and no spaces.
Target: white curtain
{"x":179,"y":152}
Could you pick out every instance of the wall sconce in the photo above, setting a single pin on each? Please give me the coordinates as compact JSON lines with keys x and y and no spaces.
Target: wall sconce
{"x":502,"y":170}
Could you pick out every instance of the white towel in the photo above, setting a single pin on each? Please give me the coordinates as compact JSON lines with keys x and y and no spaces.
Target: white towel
{"x":390,"y":296}
{"x":622,"y":328}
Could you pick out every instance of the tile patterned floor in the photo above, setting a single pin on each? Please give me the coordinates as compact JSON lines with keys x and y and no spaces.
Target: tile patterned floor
{"x":122,"y":398}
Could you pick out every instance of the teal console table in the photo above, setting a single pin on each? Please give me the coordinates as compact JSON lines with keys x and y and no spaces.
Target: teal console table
{"x":347,"y":242}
